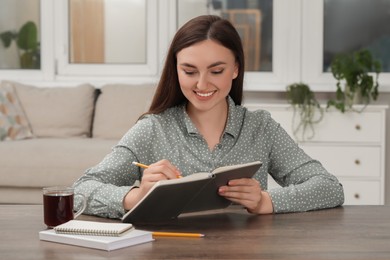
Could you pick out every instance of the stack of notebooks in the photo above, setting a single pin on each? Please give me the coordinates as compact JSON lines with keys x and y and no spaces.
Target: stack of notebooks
{"x":98,"y":235}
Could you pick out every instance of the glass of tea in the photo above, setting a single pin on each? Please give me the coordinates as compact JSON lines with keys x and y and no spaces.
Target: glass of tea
{"x":58,"y":205}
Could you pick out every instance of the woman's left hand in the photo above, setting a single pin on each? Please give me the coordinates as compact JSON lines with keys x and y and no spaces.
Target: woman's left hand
{"x":249,"y":194}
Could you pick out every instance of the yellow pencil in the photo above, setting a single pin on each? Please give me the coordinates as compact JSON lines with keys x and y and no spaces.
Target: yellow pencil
{"x":144,"y":166}
{"x":175,"y":234}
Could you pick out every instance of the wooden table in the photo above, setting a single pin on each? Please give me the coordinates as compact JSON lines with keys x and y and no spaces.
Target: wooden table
{"x":350,"y":232}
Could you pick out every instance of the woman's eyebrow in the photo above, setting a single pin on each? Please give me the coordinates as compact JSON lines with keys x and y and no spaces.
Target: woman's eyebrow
{"x":210,"y":66}
{"x":187,"y":65}
{"x":216,"y":64}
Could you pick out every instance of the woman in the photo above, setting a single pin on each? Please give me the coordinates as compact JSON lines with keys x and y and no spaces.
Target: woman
{"x":196,"y":123}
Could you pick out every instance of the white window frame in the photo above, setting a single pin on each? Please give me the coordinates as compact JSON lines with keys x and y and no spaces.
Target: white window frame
{"x":297,"y":49}
{"x":285,"y":50}
{"x":46,"y":72}
{"x":66,"y":70}
{"x":312,"y":54}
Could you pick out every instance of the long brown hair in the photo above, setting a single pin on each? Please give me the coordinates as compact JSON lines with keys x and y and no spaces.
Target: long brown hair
{"x":168,"y":93}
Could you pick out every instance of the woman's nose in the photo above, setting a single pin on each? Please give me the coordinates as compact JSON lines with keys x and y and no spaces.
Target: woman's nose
{"x":202,"y":82}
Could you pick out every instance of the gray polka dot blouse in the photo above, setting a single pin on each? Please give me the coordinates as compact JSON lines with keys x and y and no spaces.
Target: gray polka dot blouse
{"x":248,"y":136}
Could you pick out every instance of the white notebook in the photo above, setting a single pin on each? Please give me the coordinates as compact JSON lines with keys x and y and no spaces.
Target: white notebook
{"x":103,"y":236}
{"x":80,"y":227}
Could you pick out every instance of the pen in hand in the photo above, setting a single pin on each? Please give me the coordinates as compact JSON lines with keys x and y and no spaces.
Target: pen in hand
{"x":144,"y":166}
{"x":141,"y":165}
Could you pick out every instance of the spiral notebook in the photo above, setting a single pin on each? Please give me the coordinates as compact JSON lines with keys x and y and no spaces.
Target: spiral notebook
{"x":98,"y":235}
{"x":93,"y":228}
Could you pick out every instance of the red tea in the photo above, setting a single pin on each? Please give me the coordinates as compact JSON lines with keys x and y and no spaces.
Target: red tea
{"x":58,"y":208}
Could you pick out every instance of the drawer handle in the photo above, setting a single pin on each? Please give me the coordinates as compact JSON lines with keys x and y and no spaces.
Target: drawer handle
{"x":357,"y":162}
{"x":358,"y":127}
{"x":357,"y":196}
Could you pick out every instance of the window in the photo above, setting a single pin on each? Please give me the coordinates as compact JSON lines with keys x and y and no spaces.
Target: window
{"x":126,"y":40}
{"x":269,"y":30}
{"x":330,"y":27}
{"x":365,"y":27}
{"x":106,"y":32}
{"x":14,"y":14}
{"x":20,"y":34}
{"x":252,"y":19}
{"x":107,"y":38}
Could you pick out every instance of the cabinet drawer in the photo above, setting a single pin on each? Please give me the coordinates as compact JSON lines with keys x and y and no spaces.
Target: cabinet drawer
{"x":337,"y":127}
{"x":362,"y":192}
{"x":348,"y":161}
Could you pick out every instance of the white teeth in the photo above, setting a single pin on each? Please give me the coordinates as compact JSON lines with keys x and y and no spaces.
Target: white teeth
{"x":204,"y":94}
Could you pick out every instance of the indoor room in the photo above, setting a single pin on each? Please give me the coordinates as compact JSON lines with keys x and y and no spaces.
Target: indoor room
{"x":301,"y":131}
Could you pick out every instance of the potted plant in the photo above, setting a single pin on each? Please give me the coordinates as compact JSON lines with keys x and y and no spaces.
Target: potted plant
{"x":27,"y":44}
{"x":355,"y":85}
{"x":305,"y":104}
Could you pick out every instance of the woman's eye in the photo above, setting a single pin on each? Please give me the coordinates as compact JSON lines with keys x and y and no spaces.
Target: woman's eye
{"x":217,"y":71}
{"x":188,"y":72}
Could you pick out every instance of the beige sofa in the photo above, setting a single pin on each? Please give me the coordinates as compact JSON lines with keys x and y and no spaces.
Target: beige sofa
{"x":56,"y":133}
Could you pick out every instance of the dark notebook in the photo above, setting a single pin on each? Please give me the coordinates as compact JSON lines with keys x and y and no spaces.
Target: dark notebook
{"x":167,"y":199}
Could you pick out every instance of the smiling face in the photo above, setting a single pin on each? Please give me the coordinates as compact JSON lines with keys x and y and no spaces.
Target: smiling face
{"x":205,"y":72}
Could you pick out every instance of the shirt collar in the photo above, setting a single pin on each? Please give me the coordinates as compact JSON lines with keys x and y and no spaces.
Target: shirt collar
{"x":233,"y":125}
{"x":191,"y":129}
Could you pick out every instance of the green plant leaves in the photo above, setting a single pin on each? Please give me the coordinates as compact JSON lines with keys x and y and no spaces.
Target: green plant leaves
{"x":355,"y":68}
{"x":299,"y":93}
{"x":305,"y":104}
{"x":28,"y":45}
{"x":7,"y":37}
{"x":28,"y":37}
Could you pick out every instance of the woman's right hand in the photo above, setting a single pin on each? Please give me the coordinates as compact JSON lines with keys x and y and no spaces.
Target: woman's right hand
{"x":161,"y":170}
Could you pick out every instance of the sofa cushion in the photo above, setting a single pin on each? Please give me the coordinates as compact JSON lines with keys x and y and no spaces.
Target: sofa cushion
{"x":118,"y":107}
{"x":58,"y":111}
{"x":13,"y":121}
{"x":40,"y":162}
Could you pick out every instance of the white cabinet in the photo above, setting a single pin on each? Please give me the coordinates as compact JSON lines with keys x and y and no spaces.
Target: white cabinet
{"x":350,"y":145}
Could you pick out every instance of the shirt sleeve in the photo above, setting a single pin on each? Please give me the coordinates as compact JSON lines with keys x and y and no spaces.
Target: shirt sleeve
{"x":305,"y":183}
{"x":106,"y":184}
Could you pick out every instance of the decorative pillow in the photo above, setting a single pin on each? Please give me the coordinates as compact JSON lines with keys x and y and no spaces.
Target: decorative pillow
{"x":13,"y":122}
{"x":118,"y":107}
{"x":58,"y":111}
